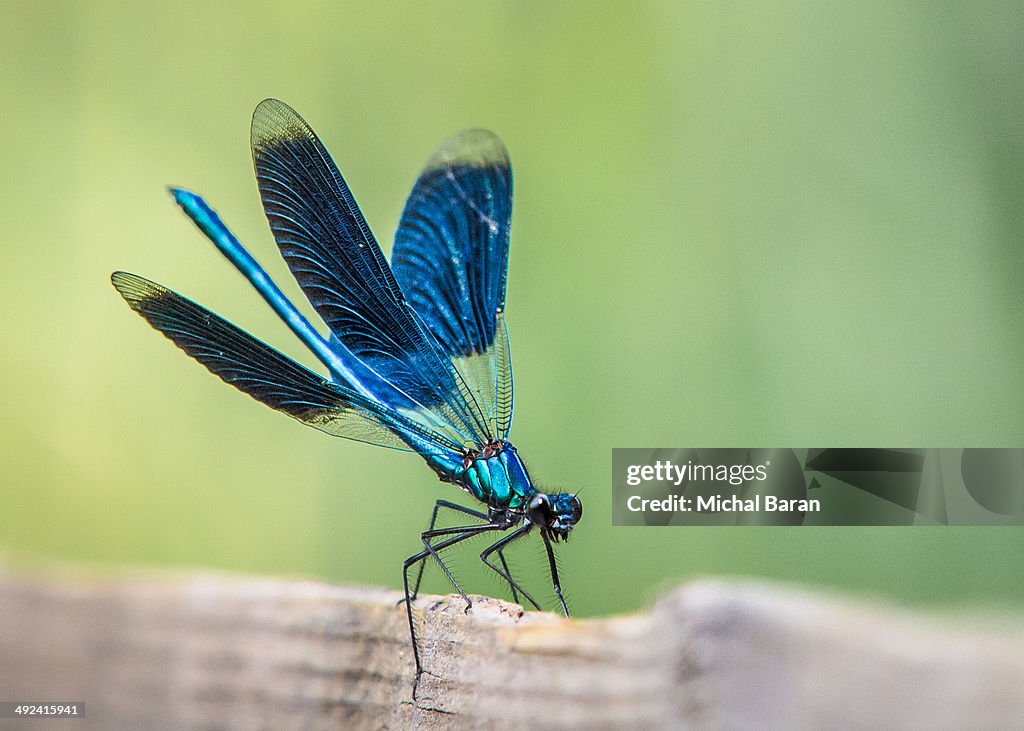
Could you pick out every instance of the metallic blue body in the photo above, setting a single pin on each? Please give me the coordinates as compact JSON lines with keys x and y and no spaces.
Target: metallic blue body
{"x":210,"y":224}
{"x":416,"y":350}
{"x":500,"y":480}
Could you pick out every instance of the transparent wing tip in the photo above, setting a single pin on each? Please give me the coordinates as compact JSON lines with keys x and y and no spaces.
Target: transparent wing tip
{"x":136,"y":290}
{"x":274,"y":122}
{"x":479,"y":148}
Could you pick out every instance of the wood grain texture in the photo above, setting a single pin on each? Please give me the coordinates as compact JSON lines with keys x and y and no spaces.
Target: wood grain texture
{"x":218,"y":652}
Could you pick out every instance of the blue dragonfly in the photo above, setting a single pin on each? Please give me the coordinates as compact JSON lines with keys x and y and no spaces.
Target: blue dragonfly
{"x":417,"y":351}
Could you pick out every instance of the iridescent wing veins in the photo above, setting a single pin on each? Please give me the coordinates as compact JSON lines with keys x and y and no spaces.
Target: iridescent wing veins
{"x":268,"y":376}
{"x":338,"y":264}
{"x":450,"y":258}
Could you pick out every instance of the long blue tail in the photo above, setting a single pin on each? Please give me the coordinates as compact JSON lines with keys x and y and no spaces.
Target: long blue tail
{"x":337,"y":358}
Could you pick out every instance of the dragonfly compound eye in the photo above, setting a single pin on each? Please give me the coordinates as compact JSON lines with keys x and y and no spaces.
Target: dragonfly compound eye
{"x":539,"y":510}
{"x":577,"y":509}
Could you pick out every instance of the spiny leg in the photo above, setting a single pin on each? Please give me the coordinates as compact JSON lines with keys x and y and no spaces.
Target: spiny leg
{"x":455,"y":507}
{"x":511,"y":584}
{"x":419,"y":558}
{"x":456,"y":535}
{"x":503,"y":571}
{"x":433,"y":521}
{"x":462,"y":532}
{"x":554,"y":573}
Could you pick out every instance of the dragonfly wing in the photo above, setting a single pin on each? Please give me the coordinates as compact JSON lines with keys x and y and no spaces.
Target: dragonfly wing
{"x":270,"y":377}
{"x":451,"y":256}
{"x":336,"y":260}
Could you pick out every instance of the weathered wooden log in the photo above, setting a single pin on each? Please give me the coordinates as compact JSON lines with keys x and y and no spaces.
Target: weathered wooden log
{"x":219,"y":652}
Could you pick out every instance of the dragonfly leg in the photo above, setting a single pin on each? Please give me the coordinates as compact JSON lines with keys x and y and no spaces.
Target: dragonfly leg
{"x":503,"y":571}
{"x":454,"y":535}
{"x":554,"y":574}
{"x":511,"y":585}
{"x":455,"y":507}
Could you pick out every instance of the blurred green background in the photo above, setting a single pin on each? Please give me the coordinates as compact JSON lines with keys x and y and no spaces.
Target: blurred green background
{"x":771,"y":225}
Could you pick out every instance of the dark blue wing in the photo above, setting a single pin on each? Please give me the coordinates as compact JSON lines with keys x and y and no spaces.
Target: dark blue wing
{"x":255,"y":368}
{"x":336,"y":260}
{"x":450,"y":258}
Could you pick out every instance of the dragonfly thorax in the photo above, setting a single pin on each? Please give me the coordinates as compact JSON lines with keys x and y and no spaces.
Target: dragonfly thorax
{"x":496,"y":476}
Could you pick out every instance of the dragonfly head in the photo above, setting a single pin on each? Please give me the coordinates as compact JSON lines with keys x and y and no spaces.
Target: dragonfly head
{"x":555,"y":514}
